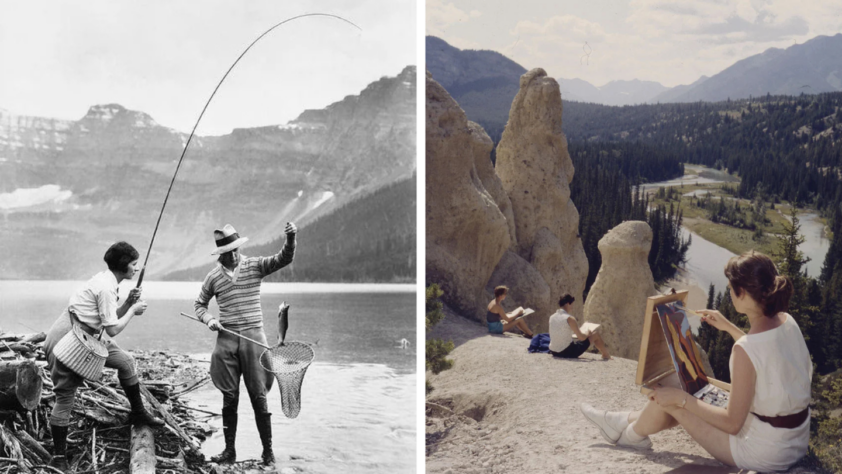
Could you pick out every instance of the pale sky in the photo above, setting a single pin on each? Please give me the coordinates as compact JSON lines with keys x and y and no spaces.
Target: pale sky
{"x":602,"y":40}
{"x":164,"y":57}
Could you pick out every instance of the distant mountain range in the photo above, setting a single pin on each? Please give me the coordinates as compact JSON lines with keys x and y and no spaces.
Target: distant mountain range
{"x":485,"y":82}
{"x":482,"y":82}
{"x":812,"y":67}
{"x":70,"y":188}
{"x":613,"y":93}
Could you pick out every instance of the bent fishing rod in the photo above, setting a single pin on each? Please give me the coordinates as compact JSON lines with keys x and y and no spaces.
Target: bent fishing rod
{"x":187,"y":144}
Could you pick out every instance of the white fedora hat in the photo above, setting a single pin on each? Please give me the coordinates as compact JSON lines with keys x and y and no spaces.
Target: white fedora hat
{"x":227,"y":239}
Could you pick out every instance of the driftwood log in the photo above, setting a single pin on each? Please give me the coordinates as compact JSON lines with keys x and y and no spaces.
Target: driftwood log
{"x":12,"y":447}
{"x":143,"y":458}
{"x":99,"y":438}
{"x":30,"y":443}
{"x":170,"y":421}
{"x":20,"y":385}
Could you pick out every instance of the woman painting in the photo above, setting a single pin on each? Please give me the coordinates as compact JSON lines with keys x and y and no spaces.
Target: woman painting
{"x":497,"y":315}
{"x":766,"y":425}
{"x":94,"y":307}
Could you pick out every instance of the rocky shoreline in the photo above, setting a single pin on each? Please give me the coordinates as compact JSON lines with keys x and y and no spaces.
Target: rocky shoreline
{"x":100,"y":439}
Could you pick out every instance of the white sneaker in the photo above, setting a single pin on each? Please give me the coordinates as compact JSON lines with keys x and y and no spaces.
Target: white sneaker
{"x":611,"y":427}
{"x":624,"y":441}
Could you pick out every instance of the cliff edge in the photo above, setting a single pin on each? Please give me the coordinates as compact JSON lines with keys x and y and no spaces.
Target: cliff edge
{"x":501,"y":409}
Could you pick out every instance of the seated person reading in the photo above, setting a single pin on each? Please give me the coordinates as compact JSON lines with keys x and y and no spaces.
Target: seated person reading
{"x":496,"y":315}
{"x":562,"y":329}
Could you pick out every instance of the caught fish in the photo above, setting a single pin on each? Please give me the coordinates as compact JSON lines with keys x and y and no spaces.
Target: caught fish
{"x":283,"y":322}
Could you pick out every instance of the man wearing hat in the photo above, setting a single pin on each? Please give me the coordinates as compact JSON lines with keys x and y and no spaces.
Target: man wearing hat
{"x":235,"y":282}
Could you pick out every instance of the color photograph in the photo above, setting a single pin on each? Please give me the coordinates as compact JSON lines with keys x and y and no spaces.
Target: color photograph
{"x":582,"y":157}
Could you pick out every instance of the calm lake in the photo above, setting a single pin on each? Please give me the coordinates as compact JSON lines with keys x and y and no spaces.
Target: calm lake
{"x":358,"y":397}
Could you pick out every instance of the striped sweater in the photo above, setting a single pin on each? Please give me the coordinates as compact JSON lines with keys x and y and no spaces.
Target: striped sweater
{"x":239,"y":302}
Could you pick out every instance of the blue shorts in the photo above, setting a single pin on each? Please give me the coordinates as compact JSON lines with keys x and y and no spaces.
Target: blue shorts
{"x":495,"y":328}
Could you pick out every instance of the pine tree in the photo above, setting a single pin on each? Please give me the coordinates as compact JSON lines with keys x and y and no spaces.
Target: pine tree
{"x":711,"y":293}
{"x":436,"y":350}
{"x":790,"y":261}
{"x":707,"y":333}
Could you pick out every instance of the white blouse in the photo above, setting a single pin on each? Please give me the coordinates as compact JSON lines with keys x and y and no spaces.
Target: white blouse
{"x":561,"y":335}
{"x":783,"y":367}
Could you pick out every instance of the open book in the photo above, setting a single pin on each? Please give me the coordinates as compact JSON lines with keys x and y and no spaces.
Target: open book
{"x":588,"y":328}
{"x":526,"y":312}
{"x":685,"y":355}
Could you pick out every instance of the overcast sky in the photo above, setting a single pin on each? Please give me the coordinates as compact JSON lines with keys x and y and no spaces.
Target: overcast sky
{"x":603,"y":40}
{"x":164,"y":57}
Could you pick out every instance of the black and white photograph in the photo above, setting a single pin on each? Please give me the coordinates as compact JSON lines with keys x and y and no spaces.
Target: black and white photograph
{"x":208,"y":227}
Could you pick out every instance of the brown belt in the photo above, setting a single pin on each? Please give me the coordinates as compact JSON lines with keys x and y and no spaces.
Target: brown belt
{"x":786,"y":421}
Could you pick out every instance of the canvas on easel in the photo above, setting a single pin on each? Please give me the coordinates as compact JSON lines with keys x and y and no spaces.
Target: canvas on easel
{"x":667,"y":347}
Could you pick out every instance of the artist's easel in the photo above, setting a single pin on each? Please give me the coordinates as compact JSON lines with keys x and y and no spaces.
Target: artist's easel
{"x":655,"y":362}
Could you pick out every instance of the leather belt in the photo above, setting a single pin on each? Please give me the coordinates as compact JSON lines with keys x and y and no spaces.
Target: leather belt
{"x":786,"y":421}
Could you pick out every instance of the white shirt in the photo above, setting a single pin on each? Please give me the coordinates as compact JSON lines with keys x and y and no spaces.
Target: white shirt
{"x":95,"y":304}
{"x":782,"y":363}
{"x":561,"y":335}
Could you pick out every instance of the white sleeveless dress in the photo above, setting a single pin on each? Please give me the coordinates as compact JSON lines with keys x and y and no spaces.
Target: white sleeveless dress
{"x":782,"y":387}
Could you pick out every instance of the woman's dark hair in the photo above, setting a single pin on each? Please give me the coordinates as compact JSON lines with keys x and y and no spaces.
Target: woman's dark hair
{"x":119,"y":256}
{"x":566,"y":299}
{"x":500,"y":291}
{"x":756,"y":273}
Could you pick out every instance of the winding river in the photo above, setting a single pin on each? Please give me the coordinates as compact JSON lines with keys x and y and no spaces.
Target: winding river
{"x":706,"y":260}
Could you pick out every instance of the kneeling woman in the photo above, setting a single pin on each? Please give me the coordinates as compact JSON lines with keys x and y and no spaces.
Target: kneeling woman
{"x":496,"y":315}
{"x":93,"y":308}
{"x":766,"y":425}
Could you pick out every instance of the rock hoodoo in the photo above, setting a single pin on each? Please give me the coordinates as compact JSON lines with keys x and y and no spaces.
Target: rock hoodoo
{"x":512,"y":225}
{"x":467,"y":234}
{"x":617,"y":299}
{"x":535,"y":169}
{"x":482,"y":153}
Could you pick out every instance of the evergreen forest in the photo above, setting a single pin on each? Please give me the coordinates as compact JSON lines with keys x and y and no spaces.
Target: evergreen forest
{"x":791,"y":146}
{"x":370,"y":239}
{"x":605,"y":193}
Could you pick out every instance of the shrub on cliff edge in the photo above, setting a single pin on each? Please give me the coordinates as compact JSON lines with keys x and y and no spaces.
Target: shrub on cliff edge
{"x":436,"y":349}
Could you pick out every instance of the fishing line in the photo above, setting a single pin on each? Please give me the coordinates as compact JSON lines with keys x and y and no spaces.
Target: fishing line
{"x":187,"y":144}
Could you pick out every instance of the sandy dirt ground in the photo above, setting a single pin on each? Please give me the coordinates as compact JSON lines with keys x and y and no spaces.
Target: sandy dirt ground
{"x":501,"y":409}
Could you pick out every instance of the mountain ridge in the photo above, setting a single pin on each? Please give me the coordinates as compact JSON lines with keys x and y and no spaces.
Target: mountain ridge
{"x":487,"y":97}
{"x":80,"y":185}
{"x":812,"y":67}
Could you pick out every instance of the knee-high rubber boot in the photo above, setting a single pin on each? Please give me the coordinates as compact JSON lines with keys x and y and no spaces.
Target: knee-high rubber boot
{"x":229,"y":431}
{"x":139,"y":416}
{"x":59,"y":460}
{"x":264,"y":428}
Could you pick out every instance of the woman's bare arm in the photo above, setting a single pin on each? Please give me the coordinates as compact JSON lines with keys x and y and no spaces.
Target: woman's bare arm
{"x":732,"y":418}
{"x":137,"y":308}
{"x":575,"y":328}
{"x":497,"y":309}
